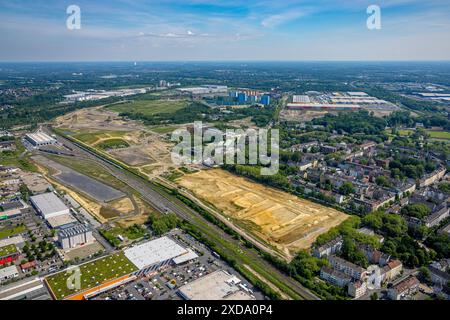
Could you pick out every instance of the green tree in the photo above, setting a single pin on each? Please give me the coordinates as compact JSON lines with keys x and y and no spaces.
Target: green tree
{"x":347,"y":188}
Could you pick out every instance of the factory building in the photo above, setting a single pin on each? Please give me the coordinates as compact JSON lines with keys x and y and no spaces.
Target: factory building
{"x":150,"y":256}
{"x":219,"y":285}
{"x":49,"y":205}
{"x":8,"y":273}
{"x":71,"y":236}
{"x":39,"y":139}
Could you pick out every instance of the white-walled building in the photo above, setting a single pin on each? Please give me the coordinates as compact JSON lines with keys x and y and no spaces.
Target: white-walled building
{"x":74,"y":235}
{"x":49,"y":205}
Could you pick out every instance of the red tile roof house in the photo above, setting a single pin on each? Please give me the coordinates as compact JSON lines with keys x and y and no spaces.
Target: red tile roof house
{"x":26,"y":267}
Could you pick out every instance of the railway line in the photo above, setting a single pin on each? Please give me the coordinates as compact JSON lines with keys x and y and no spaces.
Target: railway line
{"x":164,"y":202}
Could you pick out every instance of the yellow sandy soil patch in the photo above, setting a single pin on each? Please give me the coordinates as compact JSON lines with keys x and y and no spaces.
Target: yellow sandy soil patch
{"x":283,"y":220}
{"x":124,"y":205}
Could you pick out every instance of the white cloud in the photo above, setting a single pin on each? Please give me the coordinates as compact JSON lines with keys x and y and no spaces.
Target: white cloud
{"x":277,"y":19}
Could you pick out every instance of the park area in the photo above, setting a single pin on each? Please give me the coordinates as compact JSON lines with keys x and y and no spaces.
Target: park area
{"x":93,"y":274}
{"x":282,"y":220}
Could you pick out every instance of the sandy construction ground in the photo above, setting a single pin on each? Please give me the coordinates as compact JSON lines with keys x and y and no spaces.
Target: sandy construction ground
{"x":281,"y":219}
{"x":300,"y":115}
{"x":98,"y":124}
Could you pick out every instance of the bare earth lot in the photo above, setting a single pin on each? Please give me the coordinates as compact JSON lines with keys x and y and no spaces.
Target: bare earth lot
{"x":281,"y":219}
{"x":98,"y":125}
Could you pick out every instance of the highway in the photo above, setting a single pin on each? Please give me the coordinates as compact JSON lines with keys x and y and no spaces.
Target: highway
{"x":165,"y":202}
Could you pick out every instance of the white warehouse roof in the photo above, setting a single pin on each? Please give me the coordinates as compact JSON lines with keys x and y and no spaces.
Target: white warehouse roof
{"x":41,"y":137}
{"x":49,"y":205}
{"x":153,"y":252}
{"x":8,"y":272}
{"x":189,"y":255}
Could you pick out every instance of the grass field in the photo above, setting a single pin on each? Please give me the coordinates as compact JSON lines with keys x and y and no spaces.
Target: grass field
{"x":113,"y":144}
{"x":442,"y":135}
{"x":7,"y":250}
{"x":92,"y":136}
{"x":163,"y":129}
{"x":8,"y":232}
{"x":439,"y":135}
{"x":150,"y":107}
{"x":13,"y":158}
{"x":92,"y":274}
{"x":131,"y":233}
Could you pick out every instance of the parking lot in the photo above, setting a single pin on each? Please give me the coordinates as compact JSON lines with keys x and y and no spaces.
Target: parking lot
{"x":164,"y":285}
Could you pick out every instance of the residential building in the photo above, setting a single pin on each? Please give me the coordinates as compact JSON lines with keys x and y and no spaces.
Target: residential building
{"x":404,"y":289}
{"x":265,"y":100}
{"x":438,"y":276}
{"x":331,"y":247}
{"x":391,"y":270}
{"x":334,"y":277}
{"x":349,"y":268}
{"x":357,"y":289}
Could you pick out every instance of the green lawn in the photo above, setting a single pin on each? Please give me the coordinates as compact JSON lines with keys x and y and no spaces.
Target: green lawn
{"x":163,"y":129}
{"x":113,"y":144}
{"x":405,"y":132}
{"x":131,"y":233}
{"x":8,"y":232}
{"x":150,"y":107}
{"x":14,"y":159}
{"x":439,"y":134}
{"x":445,"y":135}
{"x":92,"y":136}
{"x":92,"y":274}
{"x":7,"y":250}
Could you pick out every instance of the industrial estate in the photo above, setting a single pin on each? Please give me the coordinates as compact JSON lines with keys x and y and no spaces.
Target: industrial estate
{"x":93,"y":208}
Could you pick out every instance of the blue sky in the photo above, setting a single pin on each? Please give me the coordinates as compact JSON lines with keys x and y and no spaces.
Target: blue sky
{"x":182,"y":30}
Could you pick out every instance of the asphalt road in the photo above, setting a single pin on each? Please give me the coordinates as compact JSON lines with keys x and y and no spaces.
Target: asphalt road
{"x":165,"y":202}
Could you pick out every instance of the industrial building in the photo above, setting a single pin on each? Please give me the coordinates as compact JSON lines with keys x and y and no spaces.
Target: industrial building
{"x":205,"y":89}
{"x":49,"y":205}
{"x":61,"y":221}
{"x":219,"y":285}
{"x":152,"y":255}
{"x":73,"y":235}
{"x":300,"y":99}
{"x":16,"y":240}
{"x":39,"y":139}
{"x":26,"y":289}
{"x":265,"y":100}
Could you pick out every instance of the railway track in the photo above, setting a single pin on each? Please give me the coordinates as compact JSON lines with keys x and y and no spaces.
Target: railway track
{"x":165,"y":202}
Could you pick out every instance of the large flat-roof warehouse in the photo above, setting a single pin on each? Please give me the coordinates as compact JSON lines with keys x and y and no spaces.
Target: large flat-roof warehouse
{"x":118,"y":268}
{"x":49,"y":205}
{"x":154,"y":254}
{"x":219,"y":285}
{"x":40,"y":138}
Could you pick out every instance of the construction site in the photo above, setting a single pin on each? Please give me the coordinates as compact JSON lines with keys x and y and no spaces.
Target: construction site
{"x":284,"y":221}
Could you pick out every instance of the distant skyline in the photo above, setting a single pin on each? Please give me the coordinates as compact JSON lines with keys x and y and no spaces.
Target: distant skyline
{"x":235,"y":30}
